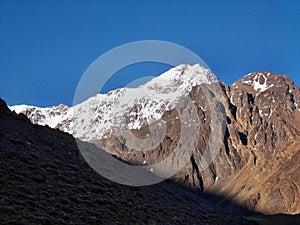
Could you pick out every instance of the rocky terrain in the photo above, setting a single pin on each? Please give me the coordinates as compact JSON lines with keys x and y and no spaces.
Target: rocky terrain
{"x":265,"y":131}
{"x":44,"y":180}
{"x":258,"y":164}
{"x":257,"y":167}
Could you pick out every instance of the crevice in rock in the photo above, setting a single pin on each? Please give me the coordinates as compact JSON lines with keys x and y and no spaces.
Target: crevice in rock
{"x":196,"y":169}
{"x":250,"y":99}
{"x":233,"y":110}
{"x":225,"y":140}
{"x":243,"y":138}
{"x":228,"y":120}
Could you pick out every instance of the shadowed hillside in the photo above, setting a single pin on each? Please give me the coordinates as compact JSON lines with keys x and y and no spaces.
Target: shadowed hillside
{"x":44,"y":180}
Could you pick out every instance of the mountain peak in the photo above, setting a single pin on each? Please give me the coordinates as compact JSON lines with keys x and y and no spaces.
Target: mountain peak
{"x":262,"y":81}
{"x":125,"y":108}
{"x":129,"y":108}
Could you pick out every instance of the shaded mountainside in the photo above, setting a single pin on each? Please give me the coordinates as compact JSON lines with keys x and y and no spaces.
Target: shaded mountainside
{"x":44,"y":180}
{"x":256,"y":170}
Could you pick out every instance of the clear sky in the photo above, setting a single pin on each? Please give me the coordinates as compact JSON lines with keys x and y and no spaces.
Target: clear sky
{"x":45,"y":46}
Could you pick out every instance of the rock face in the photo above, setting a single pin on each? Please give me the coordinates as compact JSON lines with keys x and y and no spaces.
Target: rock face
{"x":265,"y":131}
{"x":258,"y":163}
{"x":44,"y":180}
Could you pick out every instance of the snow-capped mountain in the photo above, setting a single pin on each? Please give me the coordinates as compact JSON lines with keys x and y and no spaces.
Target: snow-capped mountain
{"x":126,"y":108}
{"x":258,"y":162}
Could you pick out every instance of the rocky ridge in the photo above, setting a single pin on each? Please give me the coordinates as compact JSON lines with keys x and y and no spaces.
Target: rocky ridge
{"x":126,"y":108}
{"x":257,"y":163}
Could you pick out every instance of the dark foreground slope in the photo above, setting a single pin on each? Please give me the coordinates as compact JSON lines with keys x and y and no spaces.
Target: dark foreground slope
{"x":45,"y":181}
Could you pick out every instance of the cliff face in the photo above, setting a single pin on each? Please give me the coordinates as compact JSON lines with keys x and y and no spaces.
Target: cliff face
{"x":266,"y":119}
{"x":258,"y":163}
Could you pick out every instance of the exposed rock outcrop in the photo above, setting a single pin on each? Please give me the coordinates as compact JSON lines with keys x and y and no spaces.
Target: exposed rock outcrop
{"x":258,"y":163}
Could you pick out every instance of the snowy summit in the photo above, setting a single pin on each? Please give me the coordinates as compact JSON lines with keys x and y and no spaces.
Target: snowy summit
{"x":125,"y":108}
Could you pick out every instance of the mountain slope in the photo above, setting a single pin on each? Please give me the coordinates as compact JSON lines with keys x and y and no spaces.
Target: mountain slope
{"x":257,"y":165}
{"x":264,"y":108}
{"x":44,"y":180}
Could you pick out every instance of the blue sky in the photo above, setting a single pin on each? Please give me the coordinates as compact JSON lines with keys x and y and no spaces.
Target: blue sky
{"x":45,"y":46}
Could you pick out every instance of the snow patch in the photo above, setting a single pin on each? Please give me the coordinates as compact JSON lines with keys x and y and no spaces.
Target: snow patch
{"x":260,"y":113}
{"x":259,"y":82}
{"x":247,"y":82}
{"x":261,"y":86}
{"x":231,"y":100}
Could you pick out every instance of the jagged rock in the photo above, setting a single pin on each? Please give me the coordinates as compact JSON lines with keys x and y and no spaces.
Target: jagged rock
{"x":257,"y":163}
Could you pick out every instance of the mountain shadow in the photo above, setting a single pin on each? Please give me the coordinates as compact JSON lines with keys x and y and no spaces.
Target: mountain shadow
{"x":45,"y":180}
